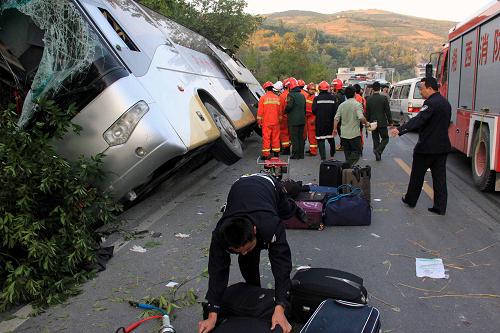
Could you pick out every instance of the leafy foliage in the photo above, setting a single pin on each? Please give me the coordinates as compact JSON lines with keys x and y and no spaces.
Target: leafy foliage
{"x":48,"y":212}
{"x":222,"y":21}
{"x":312,"y":46}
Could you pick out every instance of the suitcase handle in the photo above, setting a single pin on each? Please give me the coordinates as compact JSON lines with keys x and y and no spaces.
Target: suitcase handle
{"x":349,"y":282}
{"x":349,"y":191}
{"x":349,"y":304}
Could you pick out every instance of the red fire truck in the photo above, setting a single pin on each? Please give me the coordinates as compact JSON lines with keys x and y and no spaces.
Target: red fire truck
{"x":468,"y":71}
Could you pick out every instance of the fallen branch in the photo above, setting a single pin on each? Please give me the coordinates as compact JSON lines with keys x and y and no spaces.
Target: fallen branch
{"x":477,"y":251}
{"x":393,"y":307}
{"x":463,"y":296}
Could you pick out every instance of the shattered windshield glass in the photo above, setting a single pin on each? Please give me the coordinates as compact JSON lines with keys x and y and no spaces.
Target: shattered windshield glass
{"x":70,"y":47}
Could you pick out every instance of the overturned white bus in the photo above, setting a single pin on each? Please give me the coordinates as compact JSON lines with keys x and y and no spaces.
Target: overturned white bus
{"x":150,"y":93}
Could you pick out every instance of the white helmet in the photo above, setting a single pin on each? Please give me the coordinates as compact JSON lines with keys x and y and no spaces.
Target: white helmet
{"x":278,"y":86}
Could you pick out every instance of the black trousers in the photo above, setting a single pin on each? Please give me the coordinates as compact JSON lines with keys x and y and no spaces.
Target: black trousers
{"x":297,"y":138}
{"x":249,"y":266}
{"x":380,"y":138}
{"x":352,"y":149}
{"x":437,"y":164}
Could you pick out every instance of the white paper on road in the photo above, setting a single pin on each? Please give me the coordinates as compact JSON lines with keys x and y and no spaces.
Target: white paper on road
{"x":181,"y":235}
{"x":432,"y":268}
{"x":137,"y":248}
{"x":378,"y":200}
{"x":375,"y":235}
{"x":171,"y":284}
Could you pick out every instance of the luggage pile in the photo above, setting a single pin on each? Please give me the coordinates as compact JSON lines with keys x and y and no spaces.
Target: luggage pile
{"x":322,"y":300}
{"x":342,"y":198}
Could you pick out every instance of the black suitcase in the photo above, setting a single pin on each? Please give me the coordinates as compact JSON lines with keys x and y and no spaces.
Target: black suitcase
{"x":246,"y":325}
{"x":334,"y":316}
{"x":330,"y":172}
{"x":312,"y":286}
{"x":359,"y":177}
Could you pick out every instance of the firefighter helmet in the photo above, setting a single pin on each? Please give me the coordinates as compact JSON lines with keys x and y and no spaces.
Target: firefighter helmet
{"x":267,"y":85}
{"x":301,"y":83}
{"x":278,"y":85}
{"x":337,"y":84}
{"x":323,"y":85}
{"x":286,"y":82}
{"x":293,"y":83}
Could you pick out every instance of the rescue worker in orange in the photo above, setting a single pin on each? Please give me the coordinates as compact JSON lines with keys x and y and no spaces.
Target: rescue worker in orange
{"x":362,"y":101}
{"x":268,"y":118}
{"x":284,"y":135}
{"x":337,"y":91}
{"x":310,"y":128}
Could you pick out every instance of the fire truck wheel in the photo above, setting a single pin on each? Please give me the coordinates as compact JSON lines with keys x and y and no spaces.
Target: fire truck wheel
{"x":227,"y":148}
{"x":483,"y":177}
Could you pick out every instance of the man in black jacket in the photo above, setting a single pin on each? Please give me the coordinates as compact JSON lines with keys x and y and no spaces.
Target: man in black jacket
{"x":256,"y":204}
{"x":432,"y":148}
{"x":378,"y":109}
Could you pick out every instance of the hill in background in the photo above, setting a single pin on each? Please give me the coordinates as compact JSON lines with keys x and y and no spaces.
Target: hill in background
{"x":345,"y":39}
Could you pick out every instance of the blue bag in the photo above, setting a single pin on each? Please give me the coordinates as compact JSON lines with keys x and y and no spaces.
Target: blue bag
{"x":347,"y":208}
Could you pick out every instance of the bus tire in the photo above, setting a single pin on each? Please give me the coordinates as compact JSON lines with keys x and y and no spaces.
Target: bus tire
{"x":227,"y":149}
{"x":483,"y":177}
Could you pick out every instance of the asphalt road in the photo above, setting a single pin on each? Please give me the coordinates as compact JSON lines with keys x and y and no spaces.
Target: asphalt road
{"x":467,"y":239}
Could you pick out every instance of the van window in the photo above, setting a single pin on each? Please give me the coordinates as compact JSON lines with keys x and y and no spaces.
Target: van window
{"x":396,"y":93}
{"x":416,"y":92}
{"x":405,"y":92}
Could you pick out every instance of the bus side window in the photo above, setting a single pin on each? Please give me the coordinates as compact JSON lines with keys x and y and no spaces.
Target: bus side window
{"x":119,"y":31}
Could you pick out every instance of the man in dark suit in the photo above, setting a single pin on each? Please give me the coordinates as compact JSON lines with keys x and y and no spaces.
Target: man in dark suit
{"x":377,"y":109}
{"x":432,"y":148}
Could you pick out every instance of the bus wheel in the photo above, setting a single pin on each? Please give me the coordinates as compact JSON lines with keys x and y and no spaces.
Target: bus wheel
{"x":483,"y":177}
{"x":227,"y":148}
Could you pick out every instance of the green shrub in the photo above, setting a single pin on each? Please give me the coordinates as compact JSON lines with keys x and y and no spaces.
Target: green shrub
{"x":49,"y":210}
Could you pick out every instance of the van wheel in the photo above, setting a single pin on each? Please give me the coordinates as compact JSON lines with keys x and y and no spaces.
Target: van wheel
{"x":483,"y":177}
{"x":227,"y":148}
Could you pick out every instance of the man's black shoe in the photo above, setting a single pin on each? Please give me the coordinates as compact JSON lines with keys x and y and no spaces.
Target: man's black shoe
{"x":435,"y":211}
{"x":378,"y":157}
{"x":285,"y":151}
{"x":293,"y":157}
{"x":405,"y":202}
{"x":263,"y":158}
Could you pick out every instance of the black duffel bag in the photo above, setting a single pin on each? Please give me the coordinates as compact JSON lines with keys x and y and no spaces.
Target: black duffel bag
{"x":347,"y":208}
{"x":246,"y":325}
{"x":245,"y":300}
{"x":312,"y":286}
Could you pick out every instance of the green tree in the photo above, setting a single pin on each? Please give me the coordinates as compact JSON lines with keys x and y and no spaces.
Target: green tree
{"x":49,"y":210}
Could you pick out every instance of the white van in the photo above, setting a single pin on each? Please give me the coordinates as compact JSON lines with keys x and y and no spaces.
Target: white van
{"x":405,"y":100}
{"x":150,"y":93}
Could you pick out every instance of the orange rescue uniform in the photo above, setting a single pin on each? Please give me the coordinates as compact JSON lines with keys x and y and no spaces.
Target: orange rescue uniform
{"x":310,"y":128}
{"x":284,"y":135}
{"x":268,"y":116}
{"x":362,"y":101}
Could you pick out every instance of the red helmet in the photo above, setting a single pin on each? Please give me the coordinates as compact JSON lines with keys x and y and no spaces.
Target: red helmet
{"x":286,"y":82}
{"x":337,"y":83}
{"x":267,"y":85}
{"x":301,"y":83}
{"x":311,"y":85}
{"x":323,"y":85}
{"x":293,"y":83}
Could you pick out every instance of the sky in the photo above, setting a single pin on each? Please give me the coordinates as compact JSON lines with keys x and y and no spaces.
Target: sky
{"x":450,"y":10}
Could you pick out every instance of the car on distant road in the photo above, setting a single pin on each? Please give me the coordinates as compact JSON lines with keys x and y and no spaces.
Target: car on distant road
{"x":405,"y":100}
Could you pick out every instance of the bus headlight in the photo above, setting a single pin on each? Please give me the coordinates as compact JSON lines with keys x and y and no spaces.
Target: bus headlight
{"x":121,"y":130}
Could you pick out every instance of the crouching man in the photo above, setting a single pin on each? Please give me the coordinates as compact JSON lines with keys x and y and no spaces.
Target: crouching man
{"x":256,"y":205}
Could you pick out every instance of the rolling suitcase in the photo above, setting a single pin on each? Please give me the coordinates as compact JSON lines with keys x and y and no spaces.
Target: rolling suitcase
{"x":314,"y":216}
{"x":312,"y":286}
{"x":359,"y":177}
{"x":330,"y":172}
{"x":246,"y":325}
{"x":333,"y":316}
